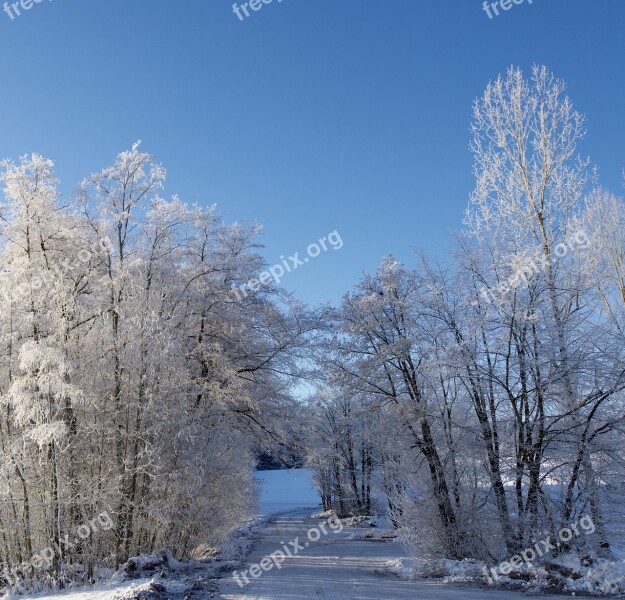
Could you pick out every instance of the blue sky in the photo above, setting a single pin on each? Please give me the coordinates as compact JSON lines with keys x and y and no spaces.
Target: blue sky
{"x":309,"y":116}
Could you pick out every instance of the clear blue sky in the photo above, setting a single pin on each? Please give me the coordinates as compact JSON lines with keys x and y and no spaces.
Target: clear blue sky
{"x":309,"y":116}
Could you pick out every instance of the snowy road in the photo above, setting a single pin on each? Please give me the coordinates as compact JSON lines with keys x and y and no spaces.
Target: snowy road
{"x":338,"y":568}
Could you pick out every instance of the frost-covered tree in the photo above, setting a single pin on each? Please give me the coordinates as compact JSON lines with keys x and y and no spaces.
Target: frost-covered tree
{"x":500,"y":373}
{"x":132,"y":379}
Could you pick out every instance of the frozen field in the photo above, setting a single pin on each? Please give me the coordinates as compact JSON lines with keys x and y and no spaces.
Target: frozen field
{"x":286,"y":490}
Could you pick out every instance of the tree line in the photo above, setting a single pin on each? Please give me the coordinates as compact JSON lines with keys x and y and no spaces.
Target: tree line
{"x":132,"y":382}
{"x":483,"y":393}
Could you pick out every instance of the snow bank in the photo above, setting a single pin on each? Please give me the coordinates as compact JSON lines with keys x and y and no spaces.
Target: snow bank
{"x":452,"y":571}
{"x":159,"y":576}
{"x":567,"y":574}
{"x":326,"y":514}
{"x":604,"y":576}
{"x":112,"y":591}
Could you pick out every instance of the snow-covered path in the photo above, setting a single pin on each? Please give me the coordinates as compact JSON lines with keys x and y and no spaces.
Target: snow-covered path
{"x":338,"y":568}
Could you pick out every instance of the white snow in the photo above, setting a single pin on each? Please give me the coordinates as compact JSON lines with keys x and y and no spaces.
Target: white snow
{"x":346,"y":564}
{"x":112,"y":591}
{"x":280,"y":491}
{"x":603,"y":577}
{"x":338,"y":567}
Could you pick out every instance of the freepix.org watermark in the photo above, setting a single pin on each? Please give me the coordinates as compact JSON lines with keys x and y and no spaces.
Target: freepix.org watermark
{"x":492,"y":8}
{"x":540,"y":548}
{"x":14,"y":9}
{"x":44,"y":558}
{"x":293,"y":548}
{"x":278,"y":271}
{"x":254,"y":5}
{"x":532,"y":267}
{"x":68,"y":266}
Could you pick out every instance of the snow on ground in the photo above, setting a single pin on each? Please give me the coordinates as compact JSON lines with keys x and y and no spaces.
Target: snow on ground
{"x":285,"y":490}
{"x":340,"y":566}
{"x":353,"y":563}
{"x":280,"y":491}
{"x":120,"y":590}
{"x":114,"y":591}
{"x":565,"y":573}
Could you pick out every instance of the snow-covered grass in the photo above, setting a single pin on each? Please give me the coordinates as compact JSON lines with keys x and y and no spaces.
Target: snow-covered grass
{"x":160,"y":576}
{"x":589,"y":570}
{"x":566,"y":574}
{"x":111,"y":591}
{"x":446,"y":570}
{"x":358,"y":521}
{"x":604,"y":576}
{"x":326,"y":514}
